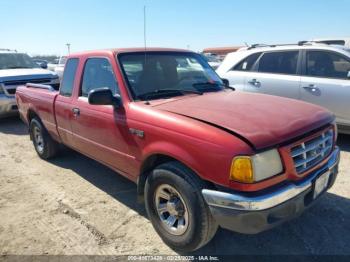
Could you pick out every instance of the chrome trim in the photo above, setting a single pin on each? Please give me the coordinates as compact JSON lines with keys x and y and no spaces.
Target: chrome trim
{"x":312,"y":151}
{"x":40,"y":86}
{"x":240,"y":202}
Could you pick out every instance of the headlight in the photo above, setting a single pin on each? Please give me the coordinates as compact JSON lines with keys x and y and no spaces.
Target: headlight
{"x":250,"y":169}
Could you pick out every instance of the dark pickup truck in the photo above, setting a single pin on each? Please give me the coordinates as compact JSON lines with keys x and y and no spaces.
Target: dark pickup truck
{"x":202,"y":154}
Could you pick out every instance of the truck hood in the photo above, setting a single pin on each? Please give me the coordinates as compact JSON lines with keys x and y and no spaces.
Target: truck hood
{"x":25,"y":73}
{"x":263,"y":120}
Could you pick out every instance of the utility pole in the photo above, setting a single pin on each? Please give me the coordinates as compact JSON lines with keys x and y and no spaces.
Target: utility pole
{"x":68,"y":47}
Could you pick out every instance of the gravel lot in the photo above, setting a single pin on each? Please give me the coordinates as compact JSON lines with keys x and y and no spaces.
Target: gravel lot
{"x":74,"y":205}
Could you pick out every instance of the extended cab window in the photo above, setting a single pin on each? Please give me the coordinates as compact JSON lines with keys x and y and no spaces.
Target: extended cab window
{"x":98,"y":73}
{"x":247,"y":63}
{"x":68,"y":77}
{"x":327,"y":64}
{"x":279,"y":62}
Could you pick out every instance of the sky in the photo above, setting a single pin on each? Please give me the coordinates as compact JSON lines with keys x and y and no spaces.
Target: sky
{"x":45,"y":27}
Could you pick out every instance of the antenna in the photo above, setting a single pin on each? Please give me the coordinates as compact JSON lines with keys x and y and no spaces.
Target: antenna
{"x":144,"y":27}
{"x":144,"y":35}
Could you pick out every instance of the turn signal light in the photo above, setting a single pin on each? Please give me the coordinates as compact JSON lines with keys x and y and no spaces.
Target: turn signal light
{"x":242,"y":170}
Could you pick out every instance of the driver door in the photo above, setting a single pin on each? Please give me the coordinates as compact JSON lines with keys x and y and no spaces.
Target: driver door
{"x":99,"y":130}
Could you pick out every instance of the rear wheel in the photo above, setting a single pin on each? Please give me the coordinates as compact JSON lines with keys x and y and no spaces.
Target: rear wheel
{"x":44,"y":145}
{"x":176,"y":208}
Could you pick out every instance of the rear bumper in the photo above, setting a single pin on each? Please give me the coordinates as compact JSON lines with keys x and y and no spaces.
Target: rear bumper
{"x":8,"y":106}
{"x":253,"y":214}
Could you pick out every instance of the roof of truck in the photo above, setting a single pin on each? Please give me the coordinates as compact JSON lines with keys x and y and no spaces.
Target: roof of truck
{"x":129,"y":50}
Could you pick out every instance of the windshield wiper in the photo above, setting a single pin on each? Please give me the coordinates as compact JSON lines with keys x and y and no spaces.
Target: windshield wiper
{"x":158,"y":92}
{"x":213,"y":85}
{"x":230,"y":87}
{"x":206,"y":84}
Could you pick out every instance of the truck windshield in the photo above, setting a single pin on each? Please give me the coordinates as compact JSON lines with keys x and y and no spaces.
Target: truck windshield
{"x":153,"y":75}
{"x":15,"y":60}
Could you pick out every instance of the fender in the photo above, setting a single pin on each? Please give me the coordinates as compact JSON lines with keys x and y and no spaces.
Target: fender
{"x":172,"y":150}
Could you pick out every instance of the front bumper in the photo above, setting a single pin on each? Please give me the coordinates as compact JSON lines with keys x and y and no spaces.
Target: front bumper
{"x":253,"y":214}
{"x":8,"y":106}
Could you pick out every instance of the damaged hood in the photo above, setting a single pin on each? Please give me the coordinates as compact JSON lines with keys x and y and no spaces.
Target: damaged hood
{"x":264,"y":120}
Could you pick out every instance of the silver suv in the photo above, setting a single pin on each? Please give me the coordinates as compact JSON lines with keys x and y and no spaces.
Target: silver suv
{"x":308,"y":71}
{"x":18,"y":69}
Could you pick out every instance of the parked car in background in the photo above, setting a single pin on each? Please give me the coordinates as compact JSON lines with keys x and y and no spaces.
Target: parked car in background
{"x":42,"y":63}
{"x":18,"y":69}
{"x":213,"y":60}
{"x":312,"y":72}
{"x":201,"y":154}
{"x":58,"y":65}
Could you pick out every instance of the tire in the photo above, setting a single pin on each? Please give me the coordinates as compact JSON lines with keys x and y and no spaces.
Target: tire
{"x":44,"y":145}
{"x":200,"y":227}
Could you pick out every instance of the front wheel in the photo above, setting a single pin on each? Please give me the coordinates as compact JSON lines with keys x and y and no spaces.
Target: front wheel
{"x":176,"y":208}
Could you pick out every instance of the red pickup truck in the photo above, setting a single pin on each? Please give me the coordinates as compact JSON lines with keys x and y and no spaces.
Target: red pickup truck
{"x":202,"y":154}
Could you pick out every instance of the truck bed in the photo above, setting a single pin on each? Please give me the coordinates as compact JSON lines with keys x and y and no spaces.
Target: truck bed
{"x":38,"y":100}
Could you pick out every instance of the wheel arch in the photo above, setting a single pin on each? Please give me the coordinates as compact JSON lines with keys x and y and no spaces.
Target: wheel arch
{"x":156,"y":159}
{"x":30,"y":115}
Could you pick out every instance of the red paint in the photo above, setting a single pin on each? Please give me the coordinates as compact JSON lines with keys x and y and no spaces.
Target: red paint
{"x":171,"y":127}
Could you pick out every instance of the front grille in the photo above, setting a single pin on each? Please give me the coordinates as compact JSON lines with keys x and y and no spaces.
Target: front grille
{"x":311,"y":152}
{"x":23,"y":82}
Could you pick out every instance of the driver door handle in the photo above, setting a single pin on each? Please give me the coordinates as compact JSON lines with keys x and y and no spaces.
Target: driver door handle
{"x":76,"y":111}
{"x":312,"y":88}
{"x":254,"y":82}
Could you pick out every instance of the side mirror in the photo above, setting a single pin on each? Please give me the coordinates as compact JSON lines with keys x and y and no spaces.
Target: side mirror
{"x":104,"y":96}
{"x":349,"y":74}
{"x":226,"y":82}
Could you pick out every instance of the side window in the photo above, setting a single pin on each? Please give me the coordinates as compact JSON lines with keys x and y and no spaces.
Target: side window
{"x":279,"y":62}
{"x":247,"y":63}
{"x":98,"y":73}
{"x":327,"y":64}
{"x":67,"y":84}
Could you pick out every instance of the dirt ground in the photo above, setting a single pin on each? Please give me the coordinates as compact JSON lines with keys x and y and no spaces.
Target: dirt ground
{"x":74,"y":205}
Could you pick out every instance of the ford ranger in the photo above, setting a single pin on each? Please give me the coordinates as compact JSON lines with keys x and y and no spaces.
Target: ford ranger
{"x":202,"y":154}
